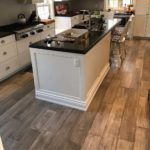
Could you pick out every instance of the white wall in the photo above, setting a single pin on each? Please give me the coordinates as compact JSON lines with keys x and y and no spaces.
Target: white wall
{"x":9,"y":10}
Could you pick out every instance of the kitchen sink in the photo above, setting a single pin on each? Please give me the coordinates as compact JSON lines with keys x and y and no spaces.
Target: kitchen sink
{"x":72,"y":35}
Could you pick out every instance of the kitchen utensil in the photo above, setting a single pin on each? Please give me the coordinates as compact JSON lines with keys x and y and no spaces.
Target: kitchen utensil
{"x":21,"y":19}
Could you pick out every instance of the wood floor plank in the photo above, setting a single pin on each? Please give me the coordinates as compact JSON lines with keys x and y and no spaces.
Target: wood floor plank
{"x":84,"y":122}
{"x":100,"y":120}
{"x":27,"y":140}
{"x":117,"y":119}
{"x":41,"y":120}
{"x":8,"y":102}
{"x":143,"y":113}
{"x":15,"y":109}
{"x":124,"y":145}
{"x":111,"y":131}
{"x":142,"y":139}
{"x":57,"y":142}
{"x":91,"y":143}
{"x":42,"y":141}
{"x":128,"y":125}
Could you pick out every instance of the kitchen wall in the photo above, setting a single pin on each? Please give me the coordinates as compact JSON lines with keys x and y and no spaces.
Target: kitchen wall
{"x":87,"y":4}
{"x":9,"y":10}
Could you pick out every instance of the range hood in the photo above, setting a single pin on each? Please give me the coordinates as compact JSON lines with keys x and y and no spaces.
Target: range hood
{"x":30,"y":1}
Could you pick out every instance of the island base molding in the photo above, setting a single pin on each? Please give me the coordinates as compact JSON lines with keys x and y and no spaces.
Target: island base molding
{"x":72,"y":101}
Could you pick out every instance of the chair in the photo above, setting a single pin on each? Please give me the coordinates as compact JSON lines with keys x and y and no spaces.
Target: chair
{"x":118,"y":46}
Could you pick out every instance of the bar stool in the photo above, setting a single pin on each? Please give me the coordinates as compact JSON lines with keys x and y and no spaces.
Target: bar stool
{"x":118,"y":45}
{"x":117,"y":49}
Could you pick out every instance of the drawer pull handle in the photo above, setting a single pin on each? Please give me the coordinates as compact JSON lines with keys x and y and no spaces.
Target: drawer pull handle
{"x":2,"y":41}
{"x":7,"y":68}
{"x":5,"y":53}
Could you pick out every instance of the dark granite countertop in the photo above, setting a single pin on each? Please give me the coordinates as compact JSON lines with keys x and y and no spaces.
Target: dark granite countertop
{"x":3,"y":34}
{"x":78,"y":47}
{"x":67,"y":15}
{"x":11,"y":28}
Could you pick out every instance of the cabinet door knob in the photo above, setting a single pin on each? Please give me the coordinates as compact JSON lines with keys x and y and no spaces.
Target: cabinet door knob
{"x":2,"y":41}
{"x":7,"y":68}
{"x":5,"y":53}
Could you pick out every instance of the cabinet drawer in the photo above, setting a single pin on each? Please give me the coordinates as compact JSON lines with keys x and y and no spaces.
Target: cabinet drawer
{"x":9,"y":67}
{"x":24,"y":59}
{"x":7,"y":39}
{"x":8,"y":51}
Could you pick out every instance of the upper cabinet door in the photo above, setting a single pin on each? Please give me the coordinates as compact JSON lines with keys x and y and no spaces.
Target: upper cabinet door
{"x":142,"y":7}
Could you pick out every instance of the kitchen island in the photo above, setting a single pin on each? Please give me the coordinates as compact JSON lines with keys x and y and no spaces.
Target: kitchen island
{"x":70,"y":73}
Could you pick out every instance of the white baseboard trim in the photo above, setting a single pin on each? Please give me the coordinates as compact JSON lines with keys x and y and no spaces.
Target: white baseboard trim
{"x":73,"y":102}
{"x":96,"y":85}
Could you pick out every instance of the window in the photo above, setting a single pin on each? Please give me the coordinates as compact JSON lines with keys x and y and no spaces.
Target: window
{"x":113,"y":3}
{"x":45,"y":10}
{"x":117,"y":4}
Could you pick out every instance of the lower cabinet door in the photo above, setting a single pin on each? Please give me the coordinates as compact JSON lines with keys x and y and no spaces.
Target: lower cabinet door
{"x":9,"y":67}
{"x":148,"y":26}
{"x":140,"y":24}
{"x":24,"y":58}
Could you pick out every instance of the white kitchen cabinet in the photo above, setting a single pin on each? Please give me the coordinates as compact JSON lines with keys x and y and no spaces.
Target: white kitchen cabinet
{"x":23,"y":49}
{"x":8,"y":67}
{"x":8,"y":56}
{"x":24,"y":58}
{"x":140,"y":23}
{"x":142,"y":7}
{"x":8,"y":51}
{"x":15,"y":55}
{"x":7,"y":39}
{"x":71,"y":79}
{"x":147,"y":34}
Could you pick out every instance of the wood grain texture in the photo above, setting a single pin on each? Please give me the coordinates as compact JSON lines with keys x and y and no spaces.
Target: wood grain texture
{"x":117,"y":119}
{"x":142,"y":139}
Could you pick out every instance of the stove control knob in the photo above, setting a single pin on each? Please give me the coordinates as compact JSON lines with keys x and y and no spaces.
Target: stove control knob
{"x":24,"y":35}
{"x":32,"y":33}
{"x":39,"y":30}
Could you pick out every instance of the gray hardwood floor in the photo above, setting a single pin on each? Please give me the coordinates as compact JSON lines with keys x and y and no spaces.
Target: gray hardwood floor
{"x":118,"y":118}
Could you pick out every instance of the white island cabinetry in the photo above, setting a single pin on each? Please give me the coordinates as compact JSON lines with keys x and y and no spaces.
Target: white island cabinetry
{"x":70,"y":79}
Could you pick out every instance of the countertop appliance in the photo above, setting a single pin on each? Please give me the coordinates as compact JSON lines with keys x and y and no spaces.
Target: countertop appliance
{"x":21,"y":19}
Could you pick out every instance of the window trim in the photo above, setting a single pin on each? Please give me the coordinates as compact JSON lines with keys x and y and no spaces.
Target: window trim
{"x":43,"y":4}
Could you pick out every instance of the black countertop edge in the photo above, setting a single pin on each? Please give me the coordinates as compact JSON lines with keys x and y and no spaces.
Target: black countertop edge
{"x":9,"y":29}
{"x":67,"y":15}
{"x":99,"y":36}
{"x":4,"y":34}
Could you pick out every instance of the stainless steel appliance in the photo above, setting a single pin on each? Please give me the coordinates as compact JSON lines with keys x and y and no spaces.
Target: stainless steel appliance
{"x":28,"y":31}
